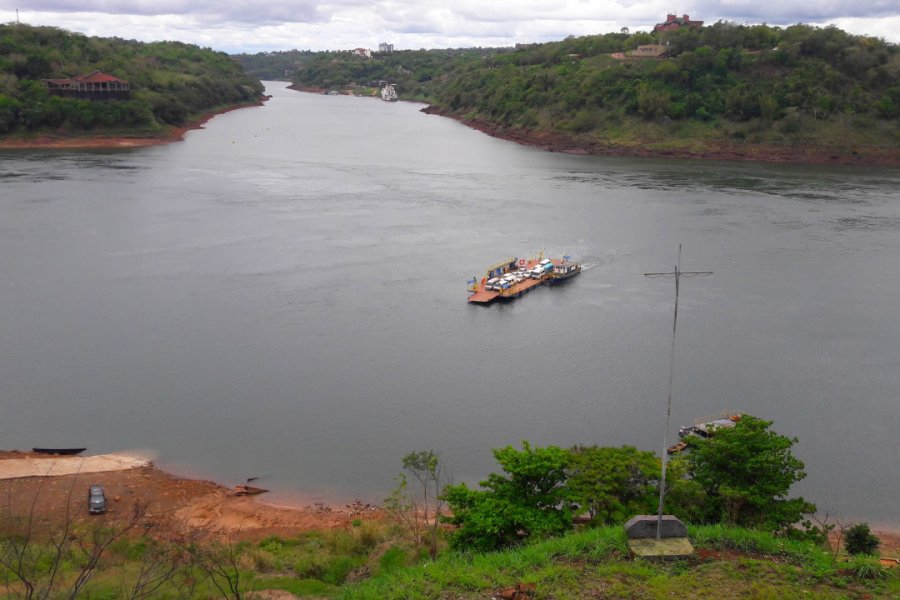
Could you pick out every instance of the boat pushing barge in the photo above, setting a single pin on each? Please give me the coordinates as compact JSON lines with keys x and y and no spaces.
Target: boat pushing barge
{"x":513,"y":277}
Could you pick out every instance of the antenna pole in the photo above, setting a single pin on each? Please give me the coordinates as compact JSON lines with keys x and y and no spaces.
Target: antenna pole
{"x":677,"y":274}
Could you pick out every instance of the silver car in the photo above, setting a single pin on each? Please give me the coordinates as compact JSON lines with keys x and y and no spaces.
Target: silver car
{"x":96,"y":500}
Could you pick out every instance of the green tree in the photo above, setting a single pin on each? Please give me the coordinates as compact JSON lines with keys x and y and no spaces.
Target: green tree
{"x":526,"y":501}
{"x":612,"y":484}
{"x":860,"y":540}
{"x":746,"y":473}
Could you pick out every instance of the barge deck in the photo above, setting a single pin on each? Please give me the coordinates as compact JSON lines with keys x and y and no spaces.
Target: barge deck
{"x":561,"y":269}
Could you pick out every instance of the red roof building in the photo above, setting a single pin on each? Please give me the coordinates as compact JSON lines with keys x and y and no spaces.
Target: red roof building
{"x":96,"y":85}
{"x":676,"y":22}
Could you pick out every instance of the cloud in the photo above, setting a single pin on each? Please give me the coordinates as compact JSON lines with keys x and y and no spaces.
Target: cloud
{"x":254,"y":25}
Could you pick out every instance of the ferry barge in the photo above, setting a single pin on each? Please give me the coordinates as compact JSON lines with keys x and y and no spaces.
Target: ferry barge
{"x":512,"y":277}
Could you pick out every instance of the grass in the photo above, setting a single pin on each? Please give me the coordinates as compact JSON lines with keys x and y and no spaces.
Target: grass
{"x":368,"y":562}
{"x":595,"y":563}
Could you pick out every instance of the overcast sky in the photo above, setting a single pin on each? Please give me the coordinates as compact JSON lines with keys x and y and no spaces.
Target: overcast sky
{"x":258,"y":25}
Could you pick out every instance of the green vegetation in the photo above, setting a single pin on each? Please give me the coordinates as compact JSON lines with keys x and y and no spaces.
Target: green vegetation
{"x":274,"y":66}
{"x":612,"y":484}
{"x":859,"y":540}
{"x":171,"y":82}
{"x":745,"y":474}
{"x":528,"y":501}
{"x":733,"y":488}
{"x":797,"y":86}
{"x":729,"y":563}
{"x":740,"y":476}
{"x":418,"y":73}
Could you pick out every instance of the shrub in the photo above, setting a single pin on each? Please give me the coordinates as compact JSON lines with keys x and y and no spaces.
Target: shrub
{"x":859,"y":540}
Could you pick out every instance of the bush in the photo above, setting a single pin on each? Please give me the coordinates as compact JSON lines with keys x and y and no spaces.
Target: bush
{"x":525,"y":502}
{"x":859,"y":540}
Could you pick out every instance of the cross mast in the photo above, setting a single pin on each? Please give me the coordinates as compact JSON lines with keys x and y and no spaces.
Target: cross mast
{"x":677,"y":274}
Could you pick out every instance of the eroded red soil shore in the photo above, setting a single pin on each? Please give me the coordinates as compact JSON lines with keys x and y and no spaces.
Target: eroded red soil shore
{"x":65,"y":140}
{"x":557,"y":142}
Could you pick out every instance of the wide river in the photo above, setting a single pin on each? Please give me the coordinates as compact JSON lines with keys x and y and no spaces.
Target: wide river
{"x":283,"y":295}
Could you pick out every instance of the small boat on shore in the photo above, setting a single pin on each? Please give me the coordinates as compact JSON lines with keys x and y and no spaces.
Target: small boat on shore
{"x":248,"y":490}
{"x":59,"y":451}
{"x":676,"y":448}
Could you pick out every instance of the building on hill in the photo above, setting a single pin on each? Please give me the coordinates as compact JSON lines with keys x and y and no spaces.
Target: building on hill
{"x":385,"y":48}
{"x":365,"y":52}
{"x":676,"y":22}
{"x":648,"y":51}
{"x":96,"y":85}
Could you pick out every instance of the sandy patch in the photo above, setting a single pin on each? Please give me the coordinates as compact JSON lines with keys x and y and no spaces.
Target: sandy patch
{"x":174,"y":505}
{"x":55,"y":466}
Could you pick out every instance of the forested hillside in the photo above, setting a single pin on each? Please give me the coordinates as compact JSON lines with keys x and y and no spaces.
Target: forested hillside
{"x":170,"y":82}
{"x":274,"y":66}
{"x":800,"y":86}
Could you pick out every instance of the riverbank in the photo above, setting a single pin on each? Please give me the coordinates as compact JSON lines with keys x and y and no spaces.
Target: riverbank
{"x":694,"y":149}
{"x":83,"y":141}
{"x":49,"y":487}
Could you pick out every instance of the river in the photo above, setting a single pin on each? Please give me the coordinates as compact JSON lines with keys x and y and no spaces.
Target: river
{"x":283,"y":295}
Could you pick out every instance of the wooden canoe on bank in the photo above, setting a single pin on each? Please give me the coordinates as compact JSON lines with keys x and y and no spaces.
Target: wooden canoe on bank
{"x":59,"y":451}
{"x":248,"y":490}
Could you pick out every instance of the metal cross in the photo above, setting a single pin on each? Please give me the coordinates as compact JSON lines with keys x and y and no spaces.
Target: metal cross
{"x":677,"y":274}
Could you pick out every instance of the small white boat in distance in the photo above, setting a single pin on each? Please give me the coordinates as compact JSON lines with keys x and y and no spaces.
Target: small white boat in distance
{"x":388,"y":93}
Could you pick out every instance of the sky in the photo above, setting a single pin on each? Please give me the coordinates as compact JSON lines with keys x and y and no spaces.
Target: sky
{"x":252,"y":26}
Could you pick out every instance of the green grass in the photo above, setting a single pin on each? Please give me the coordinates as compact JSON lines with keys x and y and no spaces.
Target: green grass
{"x":595,"y":563}
{"x":366,"y":563}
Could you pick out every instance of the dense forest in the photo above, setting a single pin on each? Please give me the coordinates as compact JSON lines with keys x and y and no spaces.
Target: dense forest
{"x":754,"y":84}
{"x":274,"y":66}
{"x":170,"y":82}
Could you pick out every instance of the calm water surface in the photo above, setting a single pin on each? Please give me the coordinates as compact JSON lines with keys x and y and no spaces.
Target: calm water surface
{"x":283,"y":295}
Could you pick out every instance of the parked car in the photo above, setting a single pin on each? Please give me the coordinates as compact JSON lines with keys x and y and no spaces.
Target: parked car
{"x":96,"y":500}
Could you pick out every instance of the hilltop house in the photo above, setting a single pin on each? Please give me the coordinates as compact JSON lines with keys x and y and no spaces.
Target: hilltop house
{"x":365,"y":52}
{"x":91,"y":86}
{"x":676,"y":22}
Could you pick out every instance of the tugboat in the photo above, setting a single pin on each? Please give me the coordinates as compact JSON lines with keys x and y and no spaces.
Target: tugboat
{"x":388,"y":93}
{"x":564,"y":270}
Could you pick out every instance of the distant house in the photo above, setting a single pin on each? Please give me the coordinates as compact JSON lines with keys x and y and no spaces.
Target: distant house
{"x":365,"y":52}
{"x":385,"y":48}
{"x":648,"y":51}
{"x":676,"y":22}
{"x":96,"y":85}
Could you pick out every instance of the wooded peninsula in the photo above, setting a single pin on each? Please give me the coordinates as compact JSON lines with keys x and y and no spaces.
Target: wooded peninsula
{"x":68,"y":85}
{"x":795,"y":94}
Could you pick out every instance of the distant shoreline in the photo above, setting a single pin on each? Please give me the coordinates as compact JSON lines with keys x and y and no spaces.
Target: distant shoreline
{"x":83,"y":141}
{"x":559,"y":142}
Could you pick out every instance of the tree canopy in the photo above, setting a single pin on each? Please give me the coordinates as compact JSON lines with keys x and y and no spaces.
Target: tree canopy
{"x":746,"y":473}
{"x":762,"y":83}
{"x":170,"y":81}
{"x":526,"y":501}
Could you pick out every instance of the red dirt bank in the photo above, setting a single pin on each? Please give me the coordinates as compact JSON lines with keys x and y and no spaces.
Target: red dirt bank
{"x":174,"y":505}
{"x":559,"y":142}
{"x":83,"y":141}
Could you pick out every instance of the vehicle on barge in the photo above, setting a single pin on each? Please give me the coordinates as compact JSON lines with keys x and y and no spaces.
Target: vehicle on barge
{"x":512,"y":277}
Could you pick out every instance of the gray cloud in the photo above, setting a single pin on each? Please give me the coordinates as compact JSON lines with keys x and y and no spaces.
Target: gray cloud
{"x":336,"y":24}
